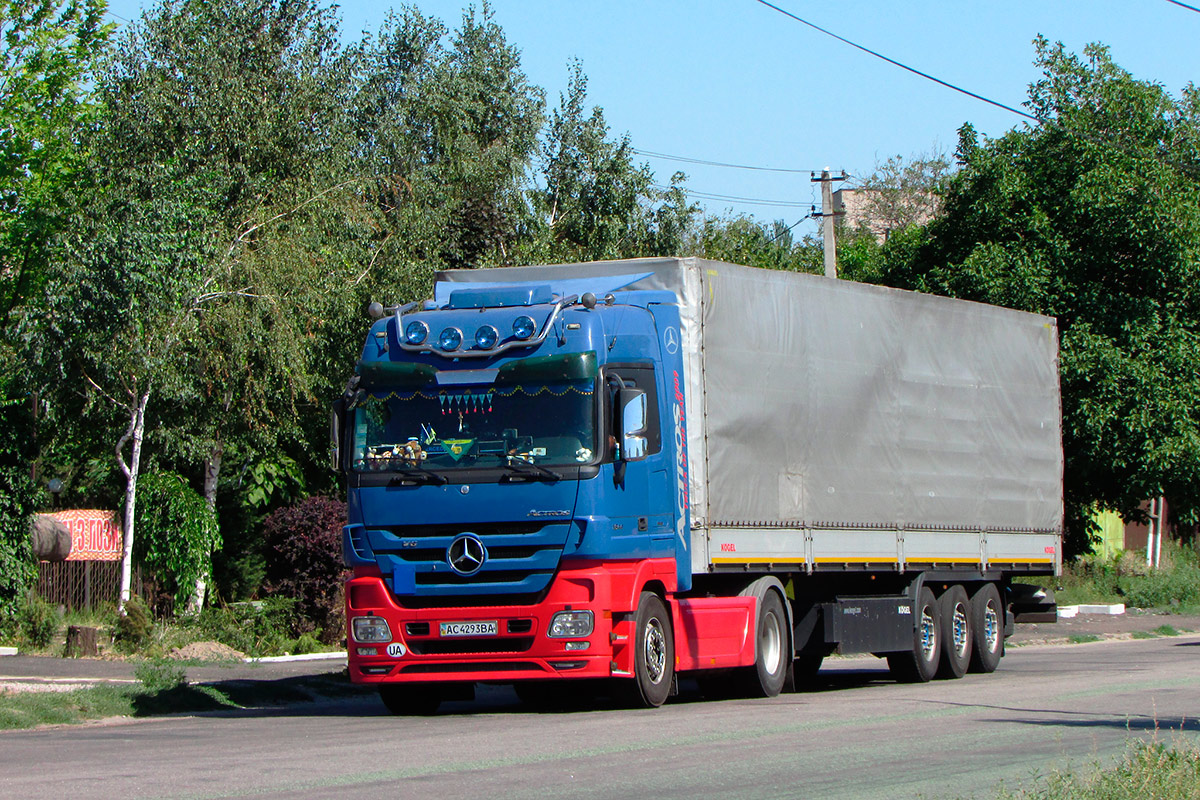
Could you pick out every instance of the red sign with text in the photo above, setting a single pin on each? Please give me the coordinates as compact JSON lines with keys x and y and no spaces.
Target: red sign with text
{"x":95,"y":534}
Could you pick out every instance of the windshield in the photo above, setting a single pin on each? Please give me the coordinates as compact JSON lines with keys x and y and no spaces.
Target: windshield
{"x":469,"y":426}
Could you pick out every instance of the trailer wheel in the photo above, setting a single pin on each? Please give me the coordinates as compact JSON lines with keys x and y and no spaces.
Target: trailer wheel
{"x":920,"y":664}
{"x":654,"y":652}
{"x":420,"y":700}
{"x":987,"y":629}
{"x":956,"y":632}
{"x":771,"y":653}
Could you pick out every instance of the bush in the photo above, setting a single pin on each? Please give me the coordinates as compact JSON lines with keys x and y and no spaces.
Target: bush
{"x":177,"y":534}
{"x":304,"y":562}
{"x":307,"y":643}
{"x":257,"y":629}
{"x":160,"y":675}
{"x":1177,"y":585}
{"x":38,"y":622}
{"x":133,"y":629}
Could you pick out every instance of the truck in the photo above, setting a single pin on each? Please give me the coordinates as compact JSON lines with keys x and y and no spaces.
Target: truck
{"x":619,"y":474}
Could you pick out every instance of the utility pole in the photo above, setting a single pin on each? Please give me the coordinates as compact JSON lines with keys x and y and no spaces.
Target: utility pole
{"x":827,"y":214}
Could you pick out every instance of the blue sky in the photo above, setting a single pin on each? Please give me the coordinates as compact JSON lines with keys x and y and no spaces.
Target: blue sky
{"x":735,"y":81}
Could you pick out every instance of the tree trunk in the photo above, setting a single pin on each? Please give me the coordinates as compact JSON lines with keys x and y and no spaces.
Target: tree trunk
{"x":212,"y":471}
{"x":82,"y":641}
{"x":135,"y":431}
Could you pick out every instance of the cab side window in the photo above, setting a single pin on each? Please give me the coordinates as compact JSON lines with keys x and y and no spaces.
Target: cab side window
{"x":640,"y":376}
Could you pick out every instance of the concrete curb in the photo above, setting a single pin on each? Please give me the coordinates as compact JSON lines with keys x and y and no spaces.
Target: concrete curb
{"x":305,"y":657}
{"x":8,"y":651}
{"x":1066,"y":612}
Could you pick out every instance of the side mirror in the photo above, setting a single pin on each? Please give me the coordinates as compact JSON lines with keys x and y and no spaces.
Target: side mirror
{"x":335,"y":432}
{"x":631,"y":405}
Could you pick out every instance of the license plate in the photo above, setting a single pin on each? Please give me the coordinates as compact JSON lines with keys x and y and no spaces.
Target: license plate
{"x":468,"y":628}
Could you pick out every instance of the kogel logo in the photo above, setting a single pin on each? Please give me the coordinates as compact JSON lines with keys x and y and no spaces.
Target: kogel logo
{"x":681,"y":473}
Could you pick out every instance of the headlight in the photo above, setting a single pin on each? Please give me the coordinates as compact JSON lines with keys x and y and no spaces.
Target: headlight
{"x":570,"y":625}
{"x":370,"y":630}
{"x":523,"y":327}
{"x":486,"y":337}
{"x":450,"y":339}
{"x":416,"y":332}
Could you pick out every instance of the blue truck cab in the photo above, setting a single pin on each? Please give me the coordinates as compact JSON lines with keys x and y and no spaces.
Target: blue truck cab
{"x":513,"y":465}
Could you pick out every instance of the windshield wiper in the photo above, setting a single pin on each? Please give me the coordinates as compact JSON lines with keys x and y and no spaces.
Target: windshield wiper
{"x":531,"y":469}
{"x":417,"y":475}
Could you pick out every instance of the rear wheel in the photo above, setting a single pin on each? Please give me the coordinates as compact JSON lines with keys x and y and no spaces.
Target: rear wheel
{"x":920,"y":664}
{"x":987,"y":629}
{"x":955,"y":610}
{"x":654,"y":652}
{"x":411,"y":699}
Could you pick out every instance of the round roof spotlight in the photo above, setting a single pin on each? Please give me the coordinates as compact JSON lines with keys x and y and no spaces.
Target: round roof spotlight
{"x":450,"y":339}
{"x":375,"y":310}
{"x":486,"y":337}
{"x":416,"y":332}
{"x":523,"y":327}
{"x":588,"y":300}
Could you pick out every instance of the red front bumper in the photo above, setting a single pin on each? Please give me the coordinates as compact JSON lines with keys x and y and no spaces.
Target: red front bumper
{"x":519,"y":649}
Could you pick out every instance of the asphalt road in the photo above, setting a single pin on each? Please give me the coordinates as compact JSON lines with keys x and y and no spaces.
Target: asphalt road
{"x":861,"y":736}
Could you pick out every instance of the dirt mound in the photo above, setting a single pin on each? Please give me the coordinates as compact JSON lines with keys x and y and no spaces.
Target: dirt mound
{"x":205,"y":651}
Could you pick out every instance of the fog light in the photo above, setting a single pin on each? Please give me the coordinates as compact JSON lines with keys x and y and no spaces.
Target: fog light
{"x":577,"y":645}
{"x":486,"y":337}
{"x":370,"y":630}
{"x":416,"y":332}
{"x":523,"y":327}
{"x":450,"y":339}
{"x":570,"y":625}
{"x":372,"y":651}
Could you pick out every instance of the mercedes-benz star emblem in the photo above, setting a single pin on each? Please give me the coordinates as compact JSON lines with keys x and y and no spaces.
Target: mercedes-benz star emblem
{"x":671,"y":340}
{"x":466,"y":554}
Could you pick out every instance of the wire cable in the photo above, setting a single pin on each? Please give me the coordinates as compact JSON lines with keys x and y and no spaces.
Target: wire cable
{"x":894,"y":62}
{"x":788,"y":229}
{"x":707,"y":163}
{"x":756,"y":201}
{"x":1185,"y":5}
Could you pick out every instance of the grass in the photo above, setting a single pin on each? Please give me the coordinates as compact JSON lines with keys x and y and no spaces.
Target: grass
{"x":159,"y":693}
{"x":1083,"y":638}
{"x":1148,"y":770}
{"x":1174,"y":587}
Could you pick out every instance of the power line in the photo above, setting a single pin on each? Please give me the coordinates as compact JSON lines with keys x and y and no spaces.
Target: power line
{"x":894,"y":62}
{"x":1185,"y":5}
{"x":754,"y":201}
{"x":789,"y":228}
{"x":707,"y":163}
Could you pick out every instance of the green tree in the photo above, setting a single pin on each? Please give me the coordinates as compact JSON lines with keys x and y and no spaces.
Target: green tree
{"x":178,"y":534}
{"x":1092,"y":216}
{"x":49,"y":47}
{"x":45,"y":62}
{"x":743,"y":240}
{"x":592,"y":201}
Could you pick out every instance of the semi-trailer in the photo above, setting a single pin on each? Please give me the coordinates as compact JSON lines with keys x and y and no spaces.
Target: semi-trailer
{"x":652,"y":468}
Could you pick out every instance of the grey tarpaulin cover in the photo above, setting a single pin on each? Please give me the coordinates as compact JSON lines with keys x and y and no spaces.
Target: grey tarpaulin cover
{"x":828,"y":402}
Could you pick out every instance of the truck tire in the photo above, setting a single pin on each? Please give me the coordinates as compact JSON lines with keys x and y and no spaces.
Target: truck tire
{"x":987,"y":628}
{"x":920,"y":664}
{"x":955,"y":611}
{"x":771,"y":651}
{"x":419,"y":700}
{"x":654,"y":652}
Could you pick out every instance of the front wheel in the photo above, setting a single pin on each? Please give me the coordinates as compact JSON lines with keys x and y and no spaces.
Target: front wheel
{"x":654,"y":652}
